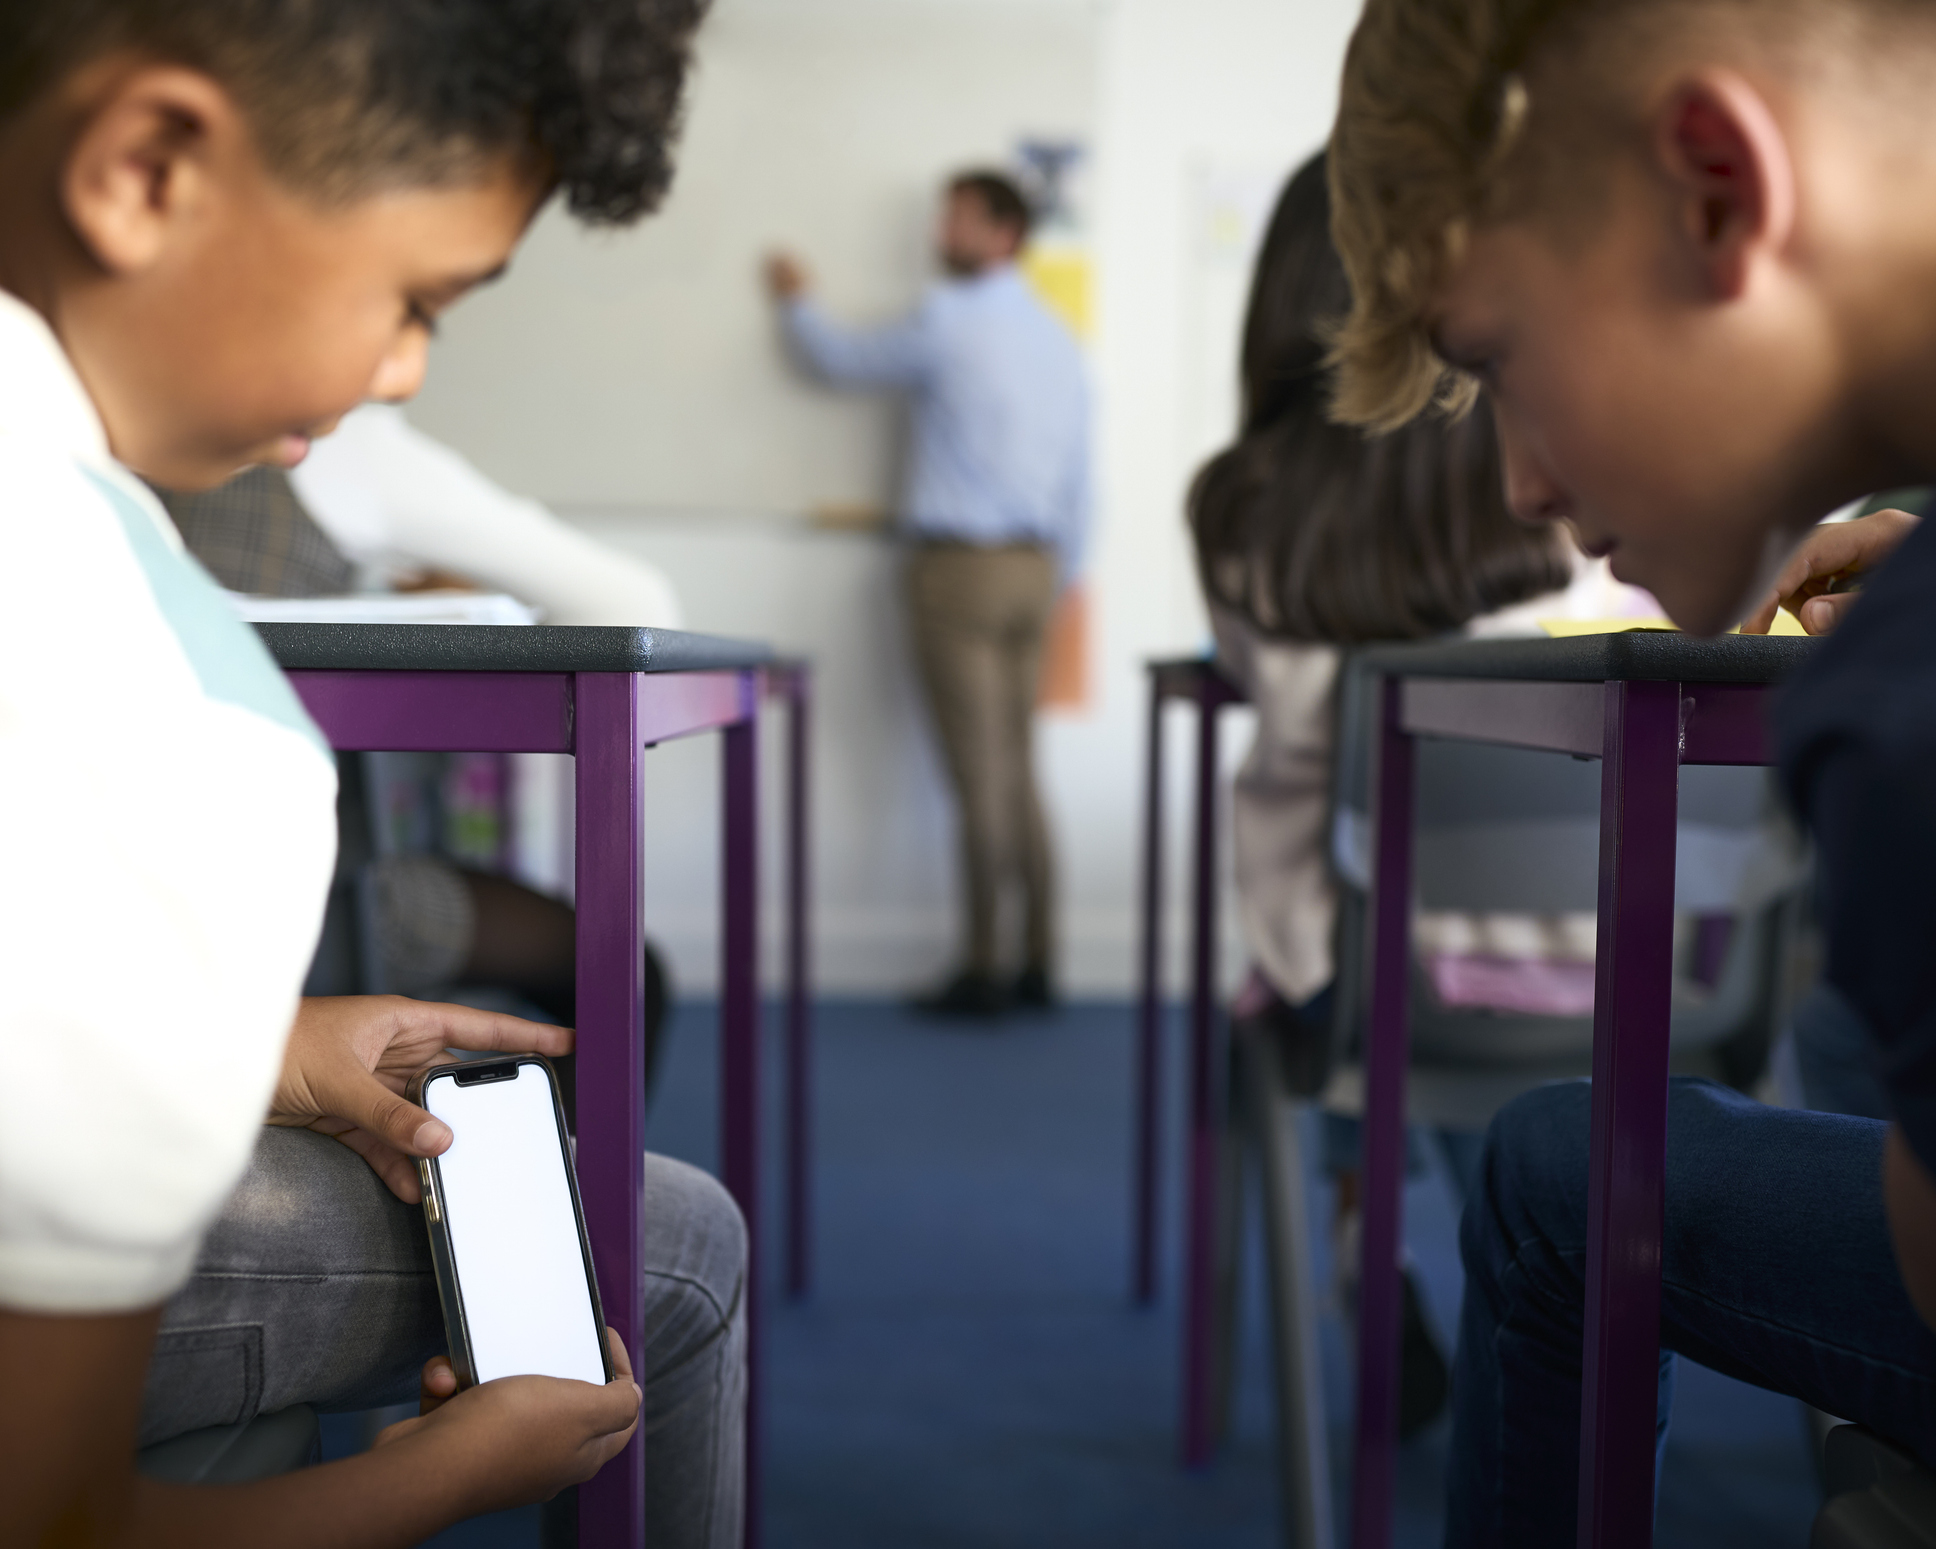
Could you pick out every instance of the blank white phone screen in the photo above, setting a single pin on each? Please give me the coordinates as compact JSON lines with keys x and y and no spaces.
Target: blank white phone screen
{"x":513,"y":1234}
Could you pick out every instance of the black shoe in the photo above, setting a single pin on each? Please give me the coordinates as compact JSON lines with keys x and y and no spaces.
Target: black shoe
{"x":967,"y":994}
{"x":1424,"y":1381}
{"x":1033,"y":991}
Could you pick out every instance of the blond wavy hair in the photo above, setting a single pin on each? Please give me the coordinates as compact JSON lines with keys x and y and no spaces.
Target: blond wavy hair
{"x":1454,"y":112}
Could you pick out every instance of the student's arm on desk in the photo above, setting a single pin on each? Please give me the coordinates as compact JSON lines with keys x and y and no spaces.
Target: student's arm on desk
{"x":73,"y":1390}
{"x":1832,"y":553}
{"x":1909,"y":1197}
{"x":443,"y":512}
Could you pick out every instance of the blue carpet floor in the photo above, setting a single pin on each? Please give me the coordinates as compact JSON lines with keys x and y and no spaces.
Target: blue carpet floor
{"x":968,"y":1373}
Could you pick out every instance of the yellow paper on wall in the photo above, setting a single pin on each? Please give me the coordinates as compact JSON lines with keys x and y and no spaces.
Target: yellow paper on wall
{"x":1061,"y":278}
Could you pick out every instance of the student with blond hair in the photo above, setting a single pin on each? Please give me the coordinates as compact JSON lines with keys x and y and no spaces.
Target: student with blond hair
{"x":1686,"y":250}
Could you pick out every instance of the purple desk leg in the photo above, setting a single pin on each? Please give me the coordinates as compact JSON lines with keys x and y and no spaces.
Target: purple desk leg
{"x":739,"y":1034}
{"x":611,"y":1055}
{"x":1206,"y":1111}
{"x":1639,"y":795}
{"x":1385,"y":1059}
{"x":799,"y":1026}
{"x":1149,"y":1020}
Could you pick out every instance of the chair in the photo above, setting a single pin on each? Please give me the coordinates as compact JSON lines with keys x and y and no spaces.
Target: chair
{"x":1878,"y":1496}
{"x":234,"y":1454}
{"x":1498,"y":829}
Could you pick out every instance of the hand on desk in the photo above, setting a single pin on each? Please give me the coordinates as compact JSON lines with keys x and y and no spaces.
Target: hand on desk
{"x":350,"y":1057}
{"x":786,"y":276}
{"x":1831,"y":554}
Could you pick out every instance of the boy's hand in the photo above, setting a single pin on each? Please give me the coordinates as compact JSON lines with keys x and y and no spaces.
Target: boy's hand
{"x":350,"y":1057}
{"x":437,"y":1382}
{"x":1830,"y":554}
{"x":522,"y":1439}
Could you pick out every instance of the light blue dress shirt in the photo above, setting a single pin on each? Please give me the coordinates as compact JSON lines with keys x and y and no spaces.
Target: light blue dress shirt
{"x":1001,"y":410}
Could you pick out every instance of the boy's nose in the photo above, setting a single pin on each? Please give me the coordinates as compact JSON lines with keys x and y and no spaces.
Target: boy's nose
{"x":400,"y":374}
{"x":1532,"y":494}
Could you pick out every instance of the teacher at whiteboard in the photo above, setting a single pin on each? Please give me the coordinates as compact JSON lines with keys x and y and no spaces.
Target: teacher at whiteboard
{"x":995,"y":510}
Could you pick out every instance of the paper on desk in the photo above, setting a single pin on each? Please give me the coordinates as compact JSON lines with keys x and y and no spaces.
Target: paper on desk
{"x":387,"y":608}
{"x":1785,"y":624}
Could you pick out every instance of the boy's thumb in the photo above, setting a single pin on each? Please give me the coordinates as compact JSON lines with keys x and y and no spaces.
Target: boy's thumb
{"x":404,"y":1125}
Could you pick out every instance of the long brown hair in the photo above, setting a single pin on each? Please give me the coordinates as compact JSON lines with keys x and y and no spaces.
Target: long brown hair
{"x":1311,"y":530}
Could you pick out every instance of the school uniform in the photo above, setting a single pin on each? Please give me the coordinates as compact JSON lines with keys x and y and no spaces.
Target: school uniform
{"x":1777,"y":1265}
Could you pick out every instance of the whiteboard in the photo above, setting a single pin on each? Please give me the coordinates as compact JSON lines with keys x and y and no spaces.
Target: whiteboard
{"x":641,"y":370}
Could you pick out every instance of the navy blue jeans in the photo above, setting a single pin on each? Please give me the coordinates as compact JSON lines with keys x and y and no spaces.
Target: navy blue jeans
{"x":1776,"y":1269}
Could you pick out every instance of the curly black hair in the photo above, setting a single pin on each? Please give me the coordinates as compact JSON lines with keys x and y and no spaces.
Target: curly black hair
{"x":349,"y":95}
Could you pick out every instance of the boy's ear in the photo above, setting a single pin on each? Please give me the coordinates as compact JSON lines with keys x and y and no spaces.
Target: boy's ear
{"x":1733,"y":179}
{"x":144,"y":161}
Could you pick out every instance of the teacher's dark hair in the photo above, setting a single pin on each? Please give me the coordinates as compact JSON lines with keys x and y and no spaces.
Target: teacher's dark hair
{"x":1311,"y":530}
{"x":1000,"y":195}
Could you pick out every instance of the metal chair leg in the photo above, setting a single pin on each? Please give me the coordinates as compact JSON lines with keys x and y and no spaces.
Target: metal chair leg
{"x":1227,"y":1300}
{"x":1303,"y":1444}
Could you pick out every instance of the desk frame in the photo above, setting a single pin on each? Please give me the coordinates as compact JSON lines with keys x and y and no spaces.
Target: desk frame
{"x":1642,"y":731}
{"x":1197,"y":682}
{"x":606,"y":720}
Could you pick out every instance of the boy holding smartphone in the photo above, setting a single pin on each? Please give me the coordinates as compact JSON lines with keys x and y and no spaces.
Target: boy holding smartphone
{"x":1687,"y":248}
{"x":223,"y":224}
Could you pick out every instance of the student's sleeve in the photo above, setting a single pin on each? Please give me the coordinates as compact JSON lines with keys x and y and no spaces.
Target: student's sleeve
{"x":896,"y":354}
{"x":1873,"y":804}
{"x":1078,"y":507}
{"x":1858,"y":745}
{"x":438,"y":509}
{"x":165,"y":857}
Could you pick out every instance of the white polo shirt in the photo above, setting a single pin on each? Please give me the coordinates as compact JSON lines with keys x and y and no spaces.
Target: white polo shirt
{"x":167,"y":833}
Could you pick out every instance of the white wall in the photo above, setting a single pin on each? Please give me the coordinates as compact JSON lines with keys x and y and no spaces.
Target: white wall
{"x":566,"y":383}
{"x":640,"y":370}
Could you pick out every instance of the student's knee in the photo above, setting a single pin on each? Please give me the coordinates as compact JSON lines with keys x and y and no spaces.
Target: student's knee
{"x":695,"y":1260}
{"x":1532,"y":1178}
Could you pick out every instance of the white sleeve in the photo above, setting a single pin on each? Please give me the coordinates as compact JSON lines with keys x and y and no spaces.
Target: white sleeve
{"x":166,"y":849}
{"x":379,"y":483}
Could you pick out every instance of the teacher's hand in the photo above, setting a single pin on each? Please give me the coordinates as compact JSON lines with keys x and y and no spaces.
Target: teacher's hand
{"x":786,"y":276}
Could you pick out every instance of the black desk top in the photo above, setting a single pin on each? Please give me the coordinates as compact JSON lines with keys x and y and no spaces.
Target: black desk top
{"x":1633,"y":656}
{"x":504,"y":648}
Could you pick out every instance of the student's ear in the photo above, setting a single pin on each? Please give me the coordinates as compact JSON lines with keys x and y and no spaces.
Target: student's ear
{"x":1733,"y":179}
{"x":144,"y":163}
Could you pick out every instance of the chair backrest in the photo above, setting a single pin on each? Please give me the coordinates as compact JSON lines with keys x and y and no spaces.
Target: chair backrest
{"x":1514,"y":830}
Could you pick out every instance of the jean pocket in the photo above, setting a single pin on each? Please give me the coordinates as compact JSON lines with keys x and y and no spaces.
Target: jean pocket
{"x":200,"y":1377}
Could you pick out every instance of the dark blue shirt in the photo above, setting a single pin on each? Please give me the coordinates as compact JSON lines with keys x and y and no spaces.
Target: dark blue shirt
{"x":1856,"y":734}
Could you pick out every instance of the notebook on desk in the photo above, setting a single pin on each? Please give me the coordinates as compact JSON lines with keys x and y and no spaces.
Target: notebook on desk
{"x":387,"y":608}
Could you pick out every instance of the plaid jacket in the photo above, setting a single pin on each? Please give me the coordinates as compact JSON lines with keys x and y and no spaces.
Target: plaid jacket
{"x":254,"y":536}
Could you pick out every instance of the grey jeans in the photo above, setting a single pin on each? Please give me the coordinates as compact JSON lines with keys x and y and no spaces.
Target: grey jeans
{"x":315,"y":1286}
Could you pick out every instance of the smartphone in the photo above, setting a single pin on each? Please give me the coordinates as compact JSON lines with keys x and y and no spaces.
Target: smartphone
{"x":507,"y":1231}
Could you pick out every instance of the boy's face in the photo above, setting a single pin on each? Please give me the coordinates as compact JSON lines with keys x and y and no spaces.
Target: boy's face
{"x":280,"y":316}
{"x":218,"y":316}
{"x":1687,"y":438}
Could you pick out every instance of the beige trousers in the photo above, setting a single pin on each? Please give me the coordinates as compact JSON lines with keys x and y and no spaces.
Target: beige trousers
{"x":978,"y":618}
